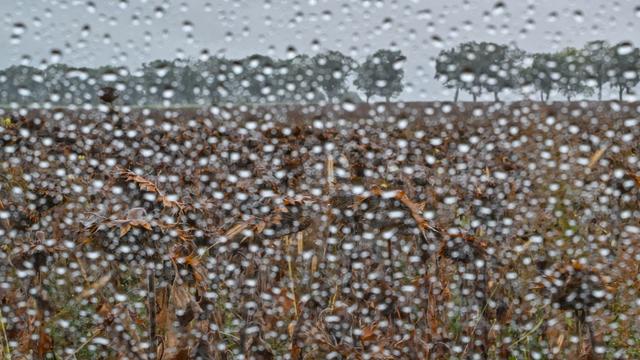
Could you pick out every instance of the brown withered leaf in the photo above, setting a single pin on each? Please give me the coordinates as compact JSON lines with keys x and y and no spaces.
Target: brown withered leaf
{"x":295,"y":352}
{"x":415,"y":209}
{"x":596,"y":156}
{"x":143,"y":184}
{"x":184,"y":235}
{"x":180,"y":295}
{"x":635,"y":177}
{"x":104,"y":309}
{"x":235,"y":230}
{"x":259,"y":228}
{"x":99,"y":284}
{"x":141,"y":223}
{"x":124,"y":229}
{"x":285,"y":301}
{"x":147,"y":185}
{"x":45,"y":343}
{"x":166,"y":202}
{"x":199,"y":272}
{"x":369,"y":332}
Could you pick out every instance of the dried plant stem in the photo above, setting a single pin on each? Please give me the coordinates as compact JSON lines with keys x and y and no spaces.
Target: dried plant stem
{"x":293,"y":287}
{"x":526,"y":335}
{"x":151,"y":296}
{"x":330,"y":173}
{"x":85,"y":343}
{"x":6,"y":350}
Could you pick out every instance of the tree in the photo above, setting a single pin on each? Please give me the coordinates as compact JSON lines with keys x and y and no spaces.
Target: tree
{"x":500,"y":67}
{"x":297,"y":80}
{"x":462,"y":68}
{"x":448,"y":70}
{"x":381,"y":74}
{"x":188,"y":82}
{"x":475,"y":67}
{"x":625,"y":68}
{"x":159,"y":80}
{"x":55,"y":80}
{"x":256,"y":73}
{"x":542,"y":74}
{"x":331,"y":70}
{"x":22,"y":84}
{"x":597,"y":61}
{"x":573,"y":75}
{"x":216,"y":73}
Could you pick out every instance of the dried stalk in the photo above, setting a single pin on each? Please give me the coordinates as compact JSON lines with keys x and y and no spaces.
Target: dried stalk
{"x":291,"y":279}
{"x":6,"y":349}
{"x":151,"y":297}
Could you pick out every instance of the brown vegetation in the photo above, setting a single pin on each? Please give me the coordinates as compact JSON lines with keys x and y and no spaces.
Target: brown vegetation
{"x":420,"y":230}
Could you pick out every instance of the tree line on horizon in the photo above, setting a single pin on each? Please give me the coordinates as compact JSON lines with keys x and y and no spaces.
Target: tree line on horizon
{"x":326,"y":76}
{"x":485,"y":67}
{"x":476,"y":68}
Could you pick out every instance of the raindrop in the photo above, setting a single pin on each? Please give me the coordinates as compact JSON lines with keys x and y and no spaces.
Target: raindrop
{"x":168,"y":93}
{"x":109,"y":77}
{"x":315,"y":45}
{"x":437,"y":42}
{"x":578,"y":16}
{"x":237,"y":68}
{"x":23,"y":91}
{"x":624,"y":48}
{"x":291,"y":52}
{"x":499,"y":8}
{"x":158,"y":12}
{"x":387,"y":23}
{"x":85,"y":30}
{"x":349,"y":106}
{"x":399,"y":64}
{"x":187,"y":26}
{"x":19,"y":29}
{"x":467,"y":76}
{"x":55,"y":56}
{"x":91,"y":7}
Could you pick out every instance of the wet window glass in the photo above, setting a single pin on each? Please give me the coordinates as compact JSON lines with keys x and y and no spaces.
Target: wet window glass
{"x":319,"y":179}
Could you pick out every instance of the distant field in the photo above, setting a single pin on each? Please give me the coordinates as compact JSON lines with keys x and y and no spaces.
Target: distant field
{"x":364,"y":231}
{"x":415,"y":113}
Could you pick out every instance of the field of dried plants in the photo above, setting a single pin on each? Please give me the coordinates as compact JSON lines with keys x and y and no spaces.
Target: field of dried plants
{"x":402,"y":231}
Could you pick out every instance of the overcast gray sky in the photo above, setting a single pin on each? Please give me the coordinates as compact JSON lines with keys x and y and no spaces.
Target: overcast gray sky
{"x":97,"y":32}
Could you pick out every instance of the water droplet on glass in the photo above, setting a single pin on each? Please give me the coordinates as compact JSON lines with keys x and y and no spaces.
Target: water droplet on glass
{"x":349,"y":106}
{"x":291,"y":52}
{"x":467,"y":76}
{"x":91,"y":7}
{"x":19,"y":29}
{"x":55,"y":56}
{"x":158,"y":12}
{"x":387,"y":23}
{"x":624,"y":48}
{"x":187,"y":26}
{"x":578,"y":16}
{"x":499,"y":8}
